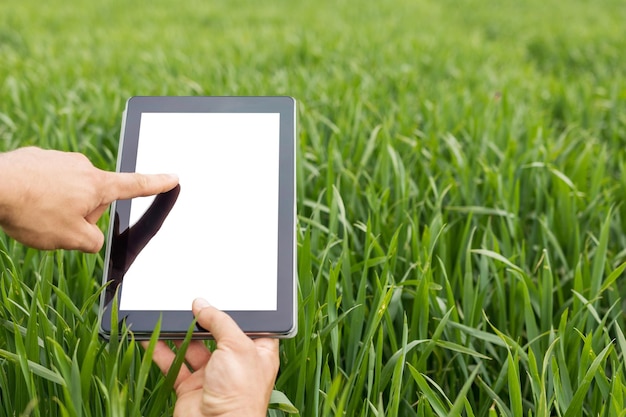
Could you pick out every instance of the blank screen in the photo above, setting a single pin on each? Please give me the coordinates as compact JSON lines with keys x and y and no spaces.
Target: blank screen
{"x":220,"y":239}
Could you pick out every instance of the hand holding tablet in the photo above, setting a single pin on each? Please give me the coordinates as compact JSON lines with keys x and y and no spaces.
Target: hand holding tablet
{"x":226,"y":234}
{"x":236,"y":378}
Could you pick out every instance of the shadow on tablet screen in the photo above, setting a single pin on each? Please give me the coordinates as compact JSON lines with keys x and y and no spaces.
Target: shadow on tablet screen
{"x":126,"y":245}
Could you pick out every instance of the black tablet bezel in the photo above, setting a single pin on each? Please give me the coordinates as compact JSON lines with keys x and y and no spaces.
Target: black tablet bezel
{"x":174,"y":324}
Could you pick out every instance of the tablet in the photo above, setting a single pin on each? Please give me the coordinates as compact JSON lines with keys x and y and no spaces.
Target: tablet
{"x":226,"y":233}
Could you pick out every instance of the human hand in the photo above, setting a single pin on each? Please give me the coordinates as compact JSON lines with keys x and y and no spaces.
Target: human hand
{"x":236,"y":379}
{"x":51,"y":199}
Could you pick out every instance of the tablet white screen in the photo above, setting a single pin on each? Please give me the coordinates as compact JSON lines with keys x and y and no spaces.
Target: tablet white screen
{"x":219,"y":241}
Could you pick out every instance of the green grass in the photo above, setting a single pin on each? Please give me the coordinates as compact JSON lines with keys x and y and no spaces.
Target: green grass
{"x":461,"y":179}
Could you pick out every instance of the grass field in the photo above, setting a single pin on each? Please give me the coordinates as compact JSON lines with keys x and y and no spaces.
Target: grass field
{"x":461,"y":187}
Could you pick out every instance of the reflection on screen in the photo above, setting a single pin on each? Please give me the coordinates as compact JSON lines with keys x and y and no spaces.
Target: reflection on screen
{"x":219,"y":241}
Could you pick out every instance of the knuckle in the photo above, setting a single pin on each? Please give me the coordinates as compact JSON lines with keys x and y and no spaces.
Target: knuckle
{"x":79,"y":160}
{"x":141,"y":181}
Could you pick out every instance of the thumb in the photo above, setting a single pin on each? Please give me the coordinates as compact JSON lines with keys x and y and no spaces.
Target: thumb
{"x":91,"y":238}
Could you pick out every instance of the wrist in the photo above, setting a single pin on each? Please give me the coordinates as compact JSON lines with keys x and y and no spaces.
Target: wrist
{"x":233,"y":407}
{"x":247,"y":412}
{"x":6,"y":192}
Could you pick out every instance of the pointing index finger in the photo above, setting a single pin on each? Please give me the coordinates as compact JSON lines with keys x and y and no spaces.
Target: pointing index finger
{"x":125,"y":185}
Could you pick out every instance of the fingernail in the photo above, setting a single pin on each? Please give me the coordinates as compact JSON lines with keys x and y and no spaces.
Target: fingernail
{"x":200,"y":303}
